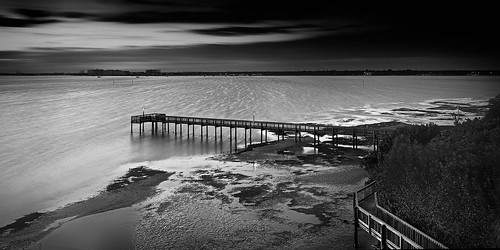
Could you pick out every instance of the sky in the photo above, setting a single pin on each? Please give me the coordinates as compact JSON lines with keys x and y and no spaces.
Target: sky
{"x":246,"y":35}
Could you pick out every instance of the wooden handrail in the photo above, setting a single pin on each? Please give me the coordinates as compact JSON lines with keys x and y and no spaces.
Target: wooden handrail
{"x":390,"y":230}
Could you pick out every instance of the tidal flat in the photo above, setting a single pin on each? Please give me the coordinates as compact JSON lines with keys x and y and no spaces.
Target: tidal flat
{"x":272,"y":195}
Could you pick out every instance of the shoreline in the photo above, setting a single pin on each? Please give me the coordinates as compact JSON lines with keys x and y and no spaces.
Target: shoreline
{"x":141,"y":184}
{"x":229,"y":188}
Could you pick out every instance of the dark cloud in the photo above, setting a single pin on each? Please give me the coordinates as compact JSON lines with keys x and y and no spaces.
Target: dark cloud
{"x":242,"y":30}
{"x":33,"y":13}
{"x":18,"y":22}
{"x":426,"y":35}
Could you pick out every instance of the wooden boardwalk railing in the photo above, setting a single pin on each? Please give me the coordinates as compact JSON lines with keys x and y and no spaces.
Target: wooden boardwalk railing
{"x":391,"y":231}
{"x":278,"y":127}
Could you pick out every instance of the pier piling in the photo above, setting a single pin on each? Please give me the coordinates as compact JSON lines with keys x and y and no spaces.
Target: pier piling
{"x":279,"y":128}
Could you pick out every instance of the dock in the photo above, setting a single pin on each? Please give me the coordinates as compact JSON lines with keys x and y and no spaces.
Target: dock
{"x":175,"y":124}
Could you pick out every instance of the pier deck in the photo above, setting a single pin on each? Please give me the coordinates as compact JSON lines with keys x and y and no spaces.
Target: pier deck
{"x":279,"y":128}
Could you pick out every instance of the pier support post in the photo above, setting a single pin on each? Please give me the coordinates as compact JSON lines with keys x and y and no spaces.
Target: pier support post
{"x":261,"y":133}
{"x":235,"y":138}
{"x":245,"y":136}
{"x":314,"y":135}
{"x":295,"y":133}
{"x":283,"y":128}
{"x":333,"y":137}
{"x":300,"y":131}
{"x":353,"y":138}
{"x":230,"y":139}
{"x":201,"y":131}
{"x":215,"y":131}
{"x":250,"y":136}
{"x":131,"y":128}
{"x":373,"y":136}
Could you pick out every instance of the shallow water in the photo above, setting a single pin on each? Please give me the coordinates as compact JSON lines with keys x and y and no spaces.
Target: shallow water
{"x":63,"y":138}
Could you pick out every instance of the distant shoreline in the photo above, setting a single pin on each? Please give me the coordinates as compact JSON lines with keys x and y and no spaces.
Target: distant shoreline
{"x":387,"y":72}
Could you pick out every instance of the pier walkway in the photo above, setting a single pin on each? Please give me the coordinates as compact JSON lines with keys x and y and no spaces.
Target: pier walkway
{"x":279,"y":128}
{"x":389,"y":230}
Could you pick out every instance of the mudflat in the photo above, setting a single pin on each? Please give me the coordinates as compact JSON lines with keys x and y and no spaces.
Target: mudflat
{"x":273,"y":195}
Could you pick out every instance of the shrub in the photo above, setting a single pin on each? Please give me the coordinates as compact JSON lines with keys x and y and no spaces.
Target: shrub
{"x":447,"y":185}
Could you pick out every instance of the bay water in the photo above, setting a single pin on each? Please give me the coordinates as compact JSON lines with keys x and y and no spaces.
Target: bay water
{"x":64,"y":138}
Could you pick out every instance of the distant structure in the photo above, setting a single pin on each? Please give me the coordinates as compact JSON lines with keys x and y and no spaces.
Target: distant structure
{"x":153,"y":72}
{"x":107,"y":72}
{"x":116,"y":72}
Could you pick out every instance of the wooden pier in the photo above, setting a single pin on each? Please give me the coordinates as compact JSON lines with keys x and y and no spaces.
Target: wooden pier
{"x":279,"y":128}
{"x":390,"y":231}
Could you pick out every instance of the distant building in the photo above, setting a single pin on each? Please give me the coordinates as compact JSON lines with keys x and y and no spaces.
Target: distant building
{"x":153,"y":72}
{"x":107,"y":72}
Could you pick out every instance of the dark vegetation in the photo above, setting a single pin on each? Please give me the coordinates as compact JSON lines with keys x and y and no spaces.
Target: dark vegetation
{"x":445,"y":182}
{"x":21,"y":223}
{"x":134,"y":174}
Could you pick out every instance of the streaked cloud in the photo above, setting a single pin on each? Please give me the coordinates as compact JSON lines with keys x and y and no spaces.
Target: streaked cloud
{"x":247,"y":33}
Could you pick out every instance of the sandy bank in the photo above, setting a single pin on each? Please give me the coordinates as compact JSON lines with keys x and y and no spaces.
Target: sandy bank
{"x":271,"y":196}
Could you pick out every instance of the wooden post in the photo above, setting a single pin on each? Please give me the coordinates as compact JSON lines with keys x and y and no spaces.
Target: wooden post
{"x":314,"y":135}
{"x":300,"y":135}
{"x":384,"y":237}
{"x":230,"y":139}
{"x":283,"y":128}
{"x":261,"y":132}
{"x":296,"y":130}
{"x":250,"y":136}
{"x":221,"y":135}
{"x":370,"y":224}
{"x":215,"y":131}
{"x":333,"y":137}
{"x":356,"y":225}
{"x":131,"y":128}
{"x":245,"y":136}
{"x":235,"y":138}
{"x":168,"y":128}
{"x":180,"y":129}
{"x":353,"y":140}
{"x":374,"y":143}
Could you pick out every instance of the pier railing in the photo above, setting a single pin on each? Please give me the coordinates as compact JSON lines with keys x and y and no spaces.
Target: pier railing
{"x":279,"y":127}
{"x":391,"y":231}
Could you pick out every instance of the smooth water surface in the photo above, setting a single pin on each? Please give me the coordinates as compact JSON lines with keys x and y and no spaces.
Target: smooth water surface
{"x":64,"y":138}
